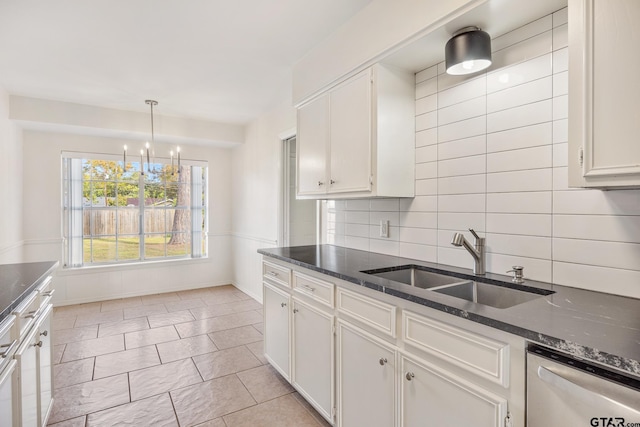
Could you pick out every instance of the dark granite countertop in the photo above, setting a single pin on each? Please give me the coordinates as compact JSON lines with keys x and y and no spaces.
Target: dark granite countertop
{"x":18,"y":280}
{"x":589,"y":325}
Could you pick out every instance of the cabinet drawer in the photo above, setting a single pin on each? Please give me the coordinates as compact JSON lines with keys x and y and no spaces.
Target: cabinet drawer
{"x":316,"y":289}
{"x":276,"y":273}
{"x":45,"y":290}
{"x":477,"y":354}
{"x":26,"y":313}
{"x":8,"y":345}
{"x":373,"y":313}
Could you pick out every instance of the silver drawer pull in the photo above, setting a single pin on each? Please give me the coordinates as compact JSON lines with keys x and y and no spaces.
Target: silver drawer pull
{"x":383,"y":361}
{"x":38,"y":344}
{"x":409,"y":376}
{"x":48,"y":293}
{"x":45,"y":333}
{"x":320,"y":183}
{"x":9,"y":350}
{"x":295,"y":310}
{"x":309,"y":288}
{"x":272,"y":273}
{"x":283,"y":304}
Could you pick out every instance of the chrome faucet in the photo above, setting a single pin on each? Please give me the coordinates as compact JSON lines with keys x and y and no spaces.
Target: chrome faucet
{"x":477,"y":253}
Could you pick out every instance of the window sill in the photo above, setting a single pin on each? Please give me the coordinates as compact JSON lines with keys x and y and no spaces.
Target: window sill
{"x":129,"y":266}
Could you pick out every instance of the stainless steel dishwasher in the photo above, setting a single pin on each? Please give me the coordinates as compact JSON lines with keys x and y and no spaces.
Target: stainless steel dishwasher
{"x":562,"y":391}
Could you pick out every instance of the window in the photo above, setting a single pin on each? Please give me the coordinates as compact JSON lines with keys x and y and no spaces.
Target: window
{"x":115,"y":216}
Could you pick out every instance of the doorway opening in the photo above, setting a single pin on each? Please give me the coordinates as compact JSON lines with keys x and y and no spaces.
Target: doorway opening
{"x":300,"y":217}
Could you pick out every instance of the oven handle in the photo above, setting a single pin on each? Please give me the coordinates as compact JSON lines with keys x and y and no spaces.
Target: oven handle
{"x":591,"y":397}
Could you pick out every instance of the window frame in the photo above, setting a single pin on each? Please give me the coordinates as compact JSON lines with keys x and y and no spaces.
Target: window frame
{"x":74,"y":206}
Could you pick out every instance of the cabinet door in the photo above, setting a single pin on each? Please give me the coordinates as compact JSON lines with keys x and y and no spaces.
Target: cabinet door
{"x":27,"y":381}
{"x":351,"y":112}
{"x":276,"y":328}
{"x":603,"y":93}
{"x":366,"y":380}
{"x":312,"y":141}
{"x":312,"y":364}
{"x":45,"y":372}
{"x":427,"y":393}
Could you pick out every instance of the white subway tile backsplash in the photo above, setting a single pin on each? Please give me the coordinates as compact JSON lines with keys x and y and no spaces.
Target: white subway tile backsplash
{"x":527,"y":93}
{"x":561,"y":107}
{"x":598,"y":227}
{"x":419,"y":204}
{"x":560,"y":154}
{"x":463,"y":129}
{"x":515,"y":75}
{"x":523,"y":51}
{"x":519,"y":224}
{"x":525,"y":115}
{"x":462,"y":203}
{"x":495,"y":160}
{"x":426,"y":121}
{"x":527,"y":202}
{"x":561,"y":83}
{"x":468,"y":184}
{"x":426,"y":104}
{"x":525,"y":158}
{"x":464,"y":110}
{"x":560,"y":131}
{"x":560,"y":36}
{"x":427,"y":170}
{"x":426,"y":137}
{"x":463,"y":92}
{"x":462,"y":147}
{"x":426,"y":74}
{"x":527,"y":136}
{"x":522,"y":33}
{"x":426,"y":88}
{"x":603,"y":279}
{"x":474,"y":165}
{"x":525,"y":246}
{"x":560,"y":17}
{"x":527,"y":180}
{"x":428,"y":153}
{"x":419,"y":219}
{"x":423,"y":236}
{"x":593,"y":252}
{"x":561,"y":60}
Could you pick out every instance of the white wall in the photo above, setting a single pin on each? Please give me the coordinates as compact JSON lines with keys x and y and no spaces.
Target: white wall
{"x":256,"y":181}
{"x":10,"y":185}
{"x":491,"y":153}
{"x":42,"y":223}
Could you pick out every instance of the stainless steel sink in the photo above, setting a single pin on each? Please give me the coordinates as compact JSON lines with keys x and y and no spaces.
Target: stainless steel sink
{"x":486,"y":294}
{"x":414,"y":276}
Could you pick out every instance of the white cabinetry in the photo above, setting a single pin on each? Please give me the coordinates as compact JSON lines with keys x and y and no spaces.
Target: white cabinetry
{"x":429,"y":393}
{"x":603,"y":94}
{"x":366,"y":379}
{"x":7,"y":369}
{"x":276,"y":328}
{"x":358,"y":139}
{"x":312,"y":368}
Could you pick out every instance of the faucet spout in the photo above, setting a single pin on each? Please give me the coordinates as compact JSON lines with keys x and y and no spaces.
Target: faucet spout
{"x":476,"y":252}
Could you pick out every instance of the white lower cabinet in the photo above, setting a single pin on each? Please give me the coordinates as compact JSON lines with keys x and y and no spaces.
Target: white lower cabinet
{"x":6,"y":393}
{"x":366,"y":374}
{"x":312,"y":367}
{"x":45,"y":368}
{"x":276,"y":328}
{"x":27,"y":380}
{"x":429,"y":393}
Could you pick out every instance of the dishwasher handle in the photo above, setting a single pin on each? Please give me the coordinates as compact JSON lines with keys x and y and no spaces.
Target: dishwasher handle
{"x":588,"y":396}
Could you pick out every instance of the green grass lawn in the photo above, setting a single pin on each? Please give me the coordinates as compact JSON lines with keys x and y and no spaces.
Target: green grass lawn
{"x":128,"y":248}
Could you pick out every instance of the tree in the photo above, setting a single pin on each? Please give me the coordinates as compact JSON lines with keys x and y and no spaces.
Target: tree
{"x":181,"y":230}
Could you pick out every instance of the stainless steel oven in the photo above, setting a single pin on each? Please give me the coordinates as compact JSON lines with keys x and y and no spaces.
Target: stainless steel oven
{"x":562,"y":391}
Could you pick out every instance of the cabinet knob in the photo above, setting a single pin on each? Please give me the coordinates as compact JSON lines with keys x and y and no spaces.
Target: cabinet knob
{"x":283,"y":304}
{"x":409,"y":376}
{"x":45,"y":333}
{"x":320,"y":183}
{"x":295,"y":310}
{"x":383,"y":361}
{"x":38,"y":344}
{"x":333,"y":181}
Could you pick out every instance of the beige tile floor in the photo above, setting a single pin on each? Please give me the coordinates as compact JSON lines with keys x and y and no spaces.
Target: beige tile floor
{"x":189,"y":358}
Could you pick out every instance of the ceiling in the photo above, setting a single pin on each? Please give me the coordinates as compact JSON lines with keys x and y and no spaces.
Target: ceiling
{"x":220,"y":60}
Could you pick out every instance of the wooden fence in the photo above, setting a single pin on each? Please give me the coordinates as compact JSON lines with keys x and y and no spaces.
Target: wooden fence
{"x":127,"y":221}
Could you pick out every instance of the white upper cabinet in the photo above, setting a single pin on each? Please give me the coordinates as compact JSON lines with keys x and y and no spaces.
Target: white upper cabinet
{"x":604,"y":66}
{"x":358,"y":138}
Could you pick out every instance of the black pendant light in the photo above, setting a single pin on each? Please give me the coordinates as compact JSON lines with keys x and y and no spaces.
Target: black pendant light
{"x":468,"y":51}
